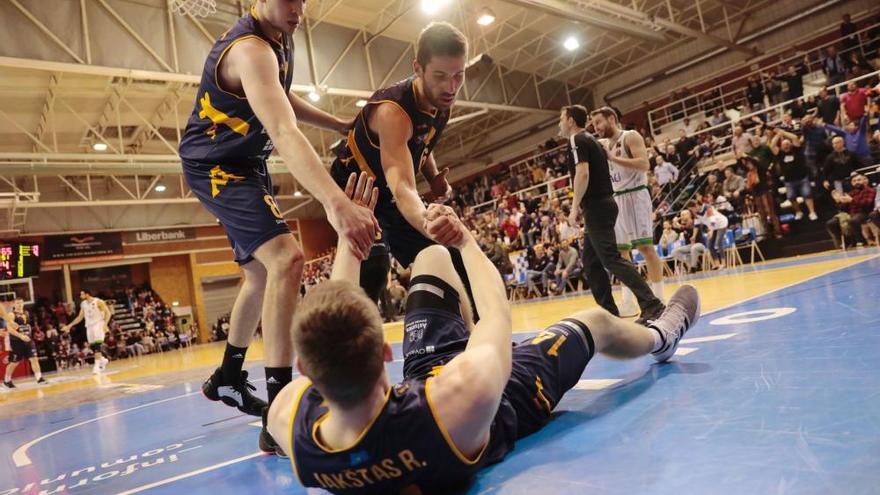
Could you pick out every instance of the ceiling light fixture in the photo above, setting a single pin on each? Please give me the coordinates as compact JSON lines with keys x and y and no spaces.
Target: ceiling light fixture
{"x":486,"y":17}
{"x":571,"y":44}
{"x":161,"y":188}
{"x":99,"y":146}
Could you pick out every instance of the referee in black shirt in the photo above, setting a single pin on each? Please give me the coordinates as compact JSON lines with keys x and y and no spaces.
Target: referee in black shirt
{"x":593,"y":194}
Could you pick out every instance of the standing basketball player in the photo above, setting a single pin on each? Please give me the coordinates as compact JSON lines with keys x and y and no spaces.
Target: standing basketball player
{"x":628,"y":163}
{"x":593,"y":195}
{"x":21,"y":346}
{"x":243,"y":110}
{"x":97,"y":316}
{"x":393,"y":138}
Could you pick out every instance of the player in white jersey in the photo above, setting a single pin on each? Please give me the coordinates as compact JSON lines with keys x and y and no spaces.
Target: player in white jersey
{"x":97,"y":316}
{"x":628,"y":164}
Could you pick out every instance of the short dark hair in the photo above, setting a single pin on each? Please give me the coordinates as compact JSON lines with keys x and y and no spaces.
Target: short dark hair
{"x":606,"y":112}
{"x":337,"y":331}
{"x":87,"y":291}
{"x":578,"y":113}
{"x":440,"y":39}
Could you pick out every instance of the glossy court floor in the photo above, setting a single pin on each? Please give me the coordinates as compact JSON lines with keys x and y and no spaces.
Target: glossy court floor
{"x":776,"y":390}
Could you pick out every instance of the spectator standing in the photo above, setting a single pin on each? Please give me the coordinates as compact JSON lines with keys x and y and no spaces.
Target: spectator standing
{"x":733,"y":185}
{"x":834,"y":67}
{"x":665,"y":172}
{"x":791,"y":164}
{"x":856,"y":137}
{"x":839,"y":165}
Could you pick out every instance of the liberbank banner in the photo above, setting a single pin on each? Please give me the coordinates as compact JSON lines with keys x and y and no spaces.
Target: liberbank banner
{"x":160,"y":235}
{"x":82,"y":247}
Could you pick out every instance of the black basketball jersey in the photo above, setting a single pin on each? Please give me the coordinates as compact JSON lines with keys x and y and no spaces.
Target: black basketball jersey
{"x":403,"y":451}
{"x":222,"y":127}
{"x":361,"y":150}
{"x":24,"y":327}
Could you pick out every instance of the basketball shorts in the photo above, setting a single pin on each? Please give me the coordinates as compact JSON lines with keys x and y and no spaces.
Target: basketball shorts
{"x":241,"y":198}
{"x":95,"y":333}
{"x":544,"y":367}
{"x":634,"y":226}
{"x":21,"y":350}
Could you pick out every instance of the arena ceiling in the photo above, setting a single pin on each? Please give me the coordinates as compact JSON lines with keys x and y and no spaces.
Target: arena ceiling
{"x":76,"y":75}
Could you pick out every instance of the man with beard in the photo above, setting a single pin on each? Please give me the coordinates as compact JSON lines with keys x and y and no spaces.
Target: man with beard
{"x":593,"y":194}
{"x":628,"y":166}
{"x":393,"y":137}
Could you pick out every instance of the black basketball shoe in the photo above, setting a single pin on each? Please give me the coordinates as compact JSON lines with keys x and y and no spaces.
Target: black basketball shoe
{"x":236,"y":395}
{"x":267,"y":443}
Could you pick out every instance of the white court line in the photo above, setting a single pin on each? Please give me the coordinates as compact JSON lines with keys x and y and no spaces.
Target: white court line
{"x":684,"y":351}
{"x":189,"y":474}
{"x":711,"y":338}
{"x":21,"y":459}
{"x":597,"y":383}
{"x":187,"y":450}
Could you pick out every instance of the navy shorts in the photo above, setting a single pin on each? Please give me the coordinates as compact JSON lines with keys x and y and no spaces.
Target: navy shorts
{"x":544,"y":367}
{"x":21,"y":350}
{"x":241,"y":198}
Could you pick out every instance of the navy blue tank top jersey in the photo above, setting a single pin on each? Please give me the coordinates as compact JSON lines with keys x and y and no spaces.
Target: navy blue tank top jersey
{"x":361,"y":150}
{"x":24,"y":328}
{"x":403,"y":451}
{"x":222,"y":127}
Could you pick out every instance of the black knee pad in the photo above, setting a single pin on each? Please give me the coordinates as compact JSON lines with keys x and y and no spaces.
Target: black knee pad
{"x":429,"y":291}
{"x":96,"y":346}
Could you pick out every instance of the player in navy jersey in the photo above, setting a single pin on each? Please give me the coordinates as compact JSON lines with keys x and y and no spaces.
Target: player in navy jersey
{"x":19,"y":343}
{"x":393,"y":138}
{"x":243,"y":110}
{"x":466,"y":396}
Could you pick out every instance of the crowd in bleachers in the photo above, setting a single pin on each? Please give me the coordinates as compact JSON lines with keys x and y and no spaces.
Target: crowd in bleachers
{"x":152,"y":329}
{"x":782,"y":166}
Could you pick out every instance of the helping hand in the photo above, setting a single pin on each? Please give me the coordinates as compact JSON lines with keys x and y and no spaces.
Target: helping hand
{"x":444,"y":226}
{"x":440,"y":187}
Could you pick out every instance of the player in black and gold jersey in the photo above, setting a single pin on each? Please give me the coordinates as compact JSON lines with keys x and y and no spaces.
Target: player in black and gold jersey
{"x":244,"y":110}
{"x":466,"y":396}
{"x":393,"y":138}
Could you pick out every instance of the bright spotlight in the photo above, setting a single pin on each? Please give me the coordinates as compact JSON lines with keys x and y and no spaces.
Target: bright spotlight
{"x":486,"y":17}
{"x":99,"y":147}
{"x":571,"y":44}
{"x":433,"y":6}
{"x":160,"y":188}
{"x":361,"y":103}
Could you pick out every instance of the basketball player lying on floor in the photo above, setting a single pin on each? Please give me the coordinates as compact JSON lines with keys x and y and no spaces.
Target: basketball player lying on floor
{"x":466,"y":396}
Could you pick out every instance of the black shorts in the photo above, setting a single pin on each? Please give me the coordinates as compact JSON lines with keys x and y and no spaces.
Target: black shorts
{"x":544,"y":367}
{"x":241,"y":198}
{"x":21,"y":350}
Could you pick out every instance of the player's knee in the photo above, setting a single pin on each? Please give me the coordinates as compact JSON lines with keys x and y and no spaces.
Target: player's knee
{"x":289,"y":261}
{"x":434,"y":260}
{"x":595,"y":318}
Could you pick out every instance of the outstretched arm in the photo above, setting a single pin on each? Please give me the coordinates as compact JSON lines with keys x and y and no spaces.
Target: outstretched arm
{"x":347,"y":266}
{"x":254,"y":63}
{"x":465,"y":394}
{"x":76,"y":320}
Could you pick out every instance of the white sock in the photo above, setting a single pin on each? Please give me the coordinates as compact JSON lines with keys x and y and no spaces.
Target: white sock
{"x":657,"y":288}
{"x":658,"y":339}
{"x":628,"y":298}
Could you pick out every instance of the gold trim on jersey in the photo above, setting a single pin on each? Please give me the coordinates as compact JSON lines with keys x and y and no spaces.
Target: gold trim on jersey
{"x":296,"y":401}
{"x":379,"y":102}
{"x":356,"y":440}
{"x":223,"y":53}
{"x":218,"y":117}
{"x":454,"y":448}
{"x":358,"y":156}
